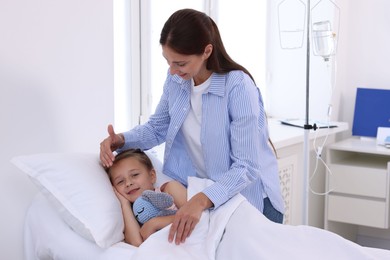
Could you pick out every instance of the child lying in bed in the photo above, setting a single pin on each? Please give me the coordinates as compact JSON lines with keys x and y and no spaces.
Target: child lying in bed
{"x":131,"y":174}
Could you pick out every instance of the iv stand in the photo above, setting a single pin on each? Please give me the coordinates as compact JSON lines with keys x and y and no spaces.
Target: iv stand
{"x":307,"y":127}
{"x":325,"y":54}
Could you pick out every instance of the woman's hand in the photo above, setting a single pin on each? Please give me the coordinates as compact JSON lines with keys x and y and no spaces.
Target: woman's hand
{"x":187,"y":217}
{"x":110,"y":144}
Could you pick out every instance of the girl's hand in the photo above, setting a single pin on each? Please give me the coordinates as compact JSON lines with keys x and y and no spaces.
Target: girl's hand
{"x":187,"y":217}
{"x":110,"y":144}
{"x":121,"y":199}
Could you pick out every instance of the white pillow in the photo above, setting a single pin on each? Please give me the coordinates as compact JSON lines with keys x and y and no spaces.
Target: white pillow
{"x":81,"y":191}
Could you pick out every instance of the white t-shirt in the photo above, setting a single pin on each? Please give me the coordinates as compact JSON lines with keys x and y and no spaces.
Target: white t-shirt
{"x":192,"y":126}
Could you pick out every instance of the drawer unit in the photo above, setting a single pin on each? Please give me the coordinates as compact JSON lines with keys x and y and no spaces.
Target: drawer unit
{"x":359,"y":184}
{"x":359,"y":179}
{"x":365,"y":212}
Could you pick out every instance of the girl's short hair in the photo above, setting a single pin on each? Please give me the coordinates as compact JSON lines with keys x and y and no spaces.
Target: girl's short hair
{"x":140,"y":155}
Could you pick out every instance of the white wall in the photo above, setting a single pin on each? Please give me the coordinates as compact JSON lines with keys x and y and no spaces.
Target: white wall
{"x":56,"y":92}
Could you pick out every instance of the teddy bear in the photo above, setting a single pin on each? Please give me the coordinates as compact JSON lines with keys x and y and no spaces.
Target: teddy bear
{"x":152,"y":204}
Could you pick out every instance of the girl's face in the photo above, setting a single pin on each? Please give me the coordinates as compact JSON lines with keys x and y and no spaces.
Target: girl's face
{"x":130,"y":178}
{"x":188,"y":66}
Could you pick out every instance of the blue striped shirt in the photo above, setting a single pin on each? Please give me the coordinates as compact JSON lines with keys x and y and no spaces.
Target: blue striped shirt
{"x":234,"y":138}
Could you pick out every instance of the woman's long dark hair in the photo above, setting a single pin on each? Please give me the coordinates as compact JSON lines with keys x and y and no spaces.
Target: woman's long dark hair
{"x":188,"y":32}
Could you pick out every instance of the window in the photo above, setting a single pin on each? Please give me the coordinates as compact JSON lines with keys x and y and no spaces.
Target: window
{"x":155,"y":68}
{"x":242,"y":25}
{"x":242,"y":28}
{"x":127,"y":57}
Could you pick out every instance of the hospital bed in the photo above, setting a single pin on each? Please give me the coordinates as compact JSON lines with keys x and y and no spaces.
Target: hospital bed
{"x":77,"y":216}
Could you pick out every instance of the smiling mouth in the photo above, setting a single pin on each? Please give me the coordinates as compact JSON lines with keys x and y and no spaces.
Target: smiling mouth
{"x":132,"y":191}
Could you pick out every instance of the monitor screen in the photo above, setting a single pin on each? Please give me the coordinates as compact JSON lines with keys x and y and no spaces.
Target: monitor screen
{"x":372,"y":110}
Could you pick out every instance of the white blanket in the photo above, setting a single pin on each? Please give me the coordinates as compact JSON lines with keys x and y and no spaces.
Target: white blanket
{"x":237,"y":230}
{"x":250,"y":235}
{"x":204,"y":240}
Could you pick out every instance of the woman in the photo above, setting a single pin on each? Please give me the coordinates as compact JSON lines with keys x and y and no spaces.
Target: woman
{"x":211,"y":118}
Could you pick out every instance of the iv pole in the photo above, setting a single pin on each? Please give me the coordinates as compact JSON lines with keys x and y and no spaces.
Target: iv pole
{"x":325,"y":49}
{"x":307,"y":127}
{"x":291,"y":28}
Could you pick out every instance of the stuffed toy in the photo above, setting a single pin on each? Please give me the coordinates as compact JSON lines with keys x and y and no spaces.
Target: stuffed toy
{"x":152,"y":204}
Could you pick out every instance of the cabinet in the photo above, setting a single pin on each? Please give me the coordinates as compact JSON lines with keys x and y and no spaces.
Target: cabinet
{"x":358,"y":183}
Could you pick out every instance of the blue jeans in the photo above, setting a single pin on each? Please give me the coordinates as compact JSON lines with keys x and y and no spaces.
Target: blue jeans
{"x":271,"y":213}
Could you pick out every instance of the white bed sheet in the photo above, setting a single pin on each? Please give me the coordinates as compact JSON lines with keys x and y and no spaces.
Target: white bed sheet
{"x":248,"y":235}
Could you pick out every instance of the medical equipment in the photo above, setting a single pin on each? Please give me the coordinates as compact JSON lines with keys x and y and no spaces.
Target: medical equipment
{"x":319,"y":25}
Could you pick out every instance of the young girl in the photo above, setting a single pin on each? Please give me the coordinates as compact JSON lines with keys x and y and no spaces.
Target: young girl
{"x":132,"y":173}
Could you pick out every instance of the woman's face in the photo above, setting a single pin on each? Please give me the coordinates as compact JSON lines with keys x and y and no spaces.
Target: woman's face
{"x":188,"y":66}
{"x":130,"y":178}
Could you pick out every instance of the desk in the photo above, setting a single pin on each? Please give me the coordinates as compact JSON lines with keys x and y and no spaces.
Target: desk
{"x":283,"y":135}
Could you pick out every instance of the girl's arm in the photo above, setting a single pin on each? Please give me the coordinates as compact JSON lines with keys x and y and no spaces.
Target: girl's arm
{"x":177,"y":191}
{"x":179,"y":194}
{"x":132,"y":228}
{"x":154,"y":225}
